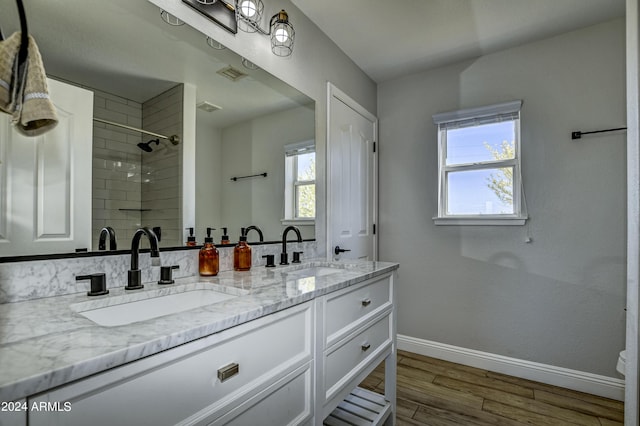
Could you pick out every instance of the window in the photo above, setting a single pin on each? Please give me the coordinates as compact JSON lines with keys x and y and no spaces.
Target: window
{"x":479,"y":166}
{"x":300,"y":182}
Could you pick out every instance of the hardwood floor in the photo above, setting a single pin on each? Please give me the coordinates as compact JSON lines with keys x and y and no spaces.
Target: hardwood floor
{"x":441,"y":393}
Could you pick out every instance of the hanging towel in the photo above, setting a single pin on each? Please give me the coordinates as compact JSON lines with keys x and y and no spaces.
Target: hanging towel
{"x":34,"y":112}
{"x":8,"y":58}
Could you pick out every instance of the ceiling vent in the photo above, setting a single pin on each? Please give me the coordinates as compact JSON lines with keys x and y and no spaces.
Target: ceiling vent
{"x":208,"y":106}
{"x":232,"y":73}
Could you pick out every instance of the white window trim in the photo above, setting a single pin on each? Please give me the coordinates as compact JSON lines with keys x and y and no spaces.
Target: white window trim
{"x":291,"y":150}
{"x":519,"y":216}
{"x":298,"y":222}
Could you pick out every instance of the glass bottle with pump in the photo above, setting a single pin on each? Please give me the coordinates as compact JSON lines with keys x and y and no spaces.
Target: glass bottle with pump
{"x":209,"y":258}
{"x":191,"y":239}
{"x":225,"y":237}
{"x":242,"y":254}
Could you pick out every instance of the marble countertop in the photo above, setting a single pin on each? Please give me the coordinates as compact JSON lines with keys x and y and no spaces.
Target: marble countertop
{"x":44,"y":343}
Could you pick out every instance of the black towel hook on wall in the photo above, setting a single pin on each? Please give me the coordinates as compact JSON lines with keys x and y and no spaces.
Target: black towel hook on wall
{"x":578,"y":134}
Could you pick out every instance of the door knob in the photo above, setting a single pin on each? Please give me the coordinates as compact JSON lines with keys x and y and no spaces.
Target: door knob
{"x":338,"y":250}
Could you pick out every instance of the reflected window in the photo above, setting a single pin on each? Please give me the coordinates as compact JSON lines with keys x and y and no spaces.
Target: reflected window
{"x":300,"y":181}
{"x":479,"y":166}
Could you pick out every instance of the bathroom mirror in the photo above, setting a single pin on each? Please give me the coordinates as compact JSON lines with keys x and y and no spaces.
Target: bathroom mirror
{"x":139,"y":68}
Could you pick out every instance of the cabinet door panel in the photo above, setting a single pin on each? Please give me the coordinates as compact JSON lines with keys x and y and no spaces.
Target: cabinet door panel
{"x":287,"y":402}
{"x":14,"y":413}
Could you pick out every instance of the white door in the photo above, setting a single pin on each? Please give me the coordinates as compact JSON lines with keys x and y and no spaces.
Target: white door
{"x":352,"y":179}
{"x":45,"y":180}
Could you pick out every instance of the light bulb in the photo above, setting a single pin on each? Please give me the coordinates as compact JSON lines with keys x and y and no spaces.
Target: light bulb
{"x":281,"y":35}
{"x":248,"y":8}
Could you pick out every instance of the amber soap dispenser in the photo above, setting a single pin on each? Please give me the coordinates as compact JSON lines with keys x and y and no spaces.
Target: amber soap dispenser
{"x":191,"y":239}
{"x":225,"y":237}
{"x":209,"y":258}
{"x":242,"y":254}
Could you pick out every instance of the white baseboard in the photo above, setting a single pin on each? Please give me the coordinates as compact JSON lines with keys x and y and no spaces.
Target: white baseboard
{"x":608,"y":387}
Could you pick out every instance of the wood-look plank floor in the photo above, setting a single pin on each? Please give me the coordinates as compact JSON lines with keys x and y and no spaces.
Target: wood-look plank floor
{"x":440,"y":393}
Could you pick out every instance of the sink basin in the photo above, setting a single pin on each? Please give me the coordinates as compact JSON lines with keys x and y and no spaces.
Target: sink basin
{"x":313,"y":271}
{"x":125,"y":309}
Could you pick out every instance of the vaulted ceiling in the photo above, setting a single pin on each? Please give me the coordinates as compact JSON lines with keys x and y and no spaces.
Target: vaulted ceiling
{"x":390,"y":38}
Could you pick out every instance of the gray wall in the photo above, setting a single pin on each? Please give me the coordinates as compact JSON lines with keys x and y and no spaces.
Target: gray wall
{"x":253,"y":147}
{"x":558,"y":300}
{"x":270,"y":134}
{"x":208,"y":183}
{"x":247,"y":148}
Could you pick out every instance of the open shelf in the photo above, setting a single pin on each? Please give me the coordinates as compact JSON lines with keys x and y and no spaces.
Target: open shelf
{"x":360,"y":408}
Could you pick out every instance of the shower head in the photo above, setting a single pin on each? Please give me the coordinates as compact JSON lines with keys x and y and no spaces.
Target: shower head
{"x":147,"y":146}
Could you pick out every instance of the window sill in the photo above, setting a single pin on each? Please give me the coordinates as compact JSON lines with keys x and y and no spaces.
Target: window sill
{"x":481,"y":221}
{"x":298,"y":222}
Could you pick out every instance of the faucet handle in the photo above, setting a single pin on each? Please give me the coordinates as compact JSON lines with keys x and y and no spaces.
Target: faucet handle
{"x":98,"y":283}
{"x":270,"y":260}
{"x":296,"y":256}
{"x":165,"y":274}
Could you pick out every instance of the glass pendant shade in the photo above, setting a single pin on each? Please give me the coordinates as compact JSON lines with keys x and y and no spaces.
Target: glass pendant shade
{"x":170,"y":19}
{"x":249,"y":14}
{"x":282,"y":34}
{"x":215,"y":44}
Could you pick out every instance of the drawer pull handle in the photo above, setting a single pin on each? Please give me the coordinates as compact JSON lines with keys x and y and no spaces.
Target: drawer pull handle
{"x":365,"y":347}
{"x":366,"y":302}
{"x":228,"y":371}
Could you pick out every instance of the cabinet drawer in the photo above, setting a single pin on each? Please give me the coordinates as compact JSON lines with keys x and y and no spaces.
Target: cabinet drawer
{"x":347,"y":309}
{"x":343,"y":362}
{"x":171,"y":386}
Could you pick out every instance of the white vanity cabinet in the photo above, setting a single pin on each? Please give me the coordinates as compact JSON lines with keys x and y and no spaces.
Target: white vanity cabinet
{"x":183,"y":385}
{"x":355,"y":333}
{"x":298,"y":366}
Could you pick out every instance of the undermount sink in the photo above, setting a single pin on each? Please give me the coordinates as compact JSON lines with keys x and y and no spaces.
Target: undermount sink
{"x":135,"y":307}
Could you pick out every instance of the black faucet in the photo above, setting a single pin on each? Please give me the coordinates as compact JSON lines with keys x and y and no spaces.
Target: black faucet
{"x":102,"y":239}
{"x":255,"y":228}
{"x":283,"y":255}
{"x":134,"y":277}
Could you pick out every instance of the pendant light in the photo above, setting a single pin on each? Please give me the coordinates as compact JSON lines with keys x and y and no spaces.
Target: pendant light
{"x":282,"y":34}
{"x":249,"y":15}
{"x":245,"y":15}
